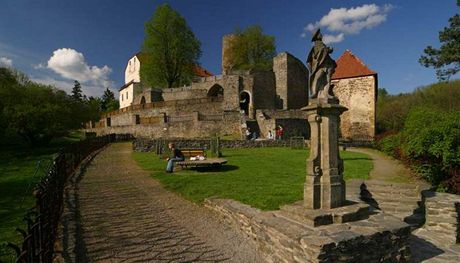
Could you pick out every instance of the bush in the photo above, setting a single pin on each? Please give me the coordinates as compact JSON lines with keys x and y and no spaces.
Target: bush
{"x":390,"y":145}
{"x":430,"y":143}
{"x":431,"y":139}
{"x":392,"y":110}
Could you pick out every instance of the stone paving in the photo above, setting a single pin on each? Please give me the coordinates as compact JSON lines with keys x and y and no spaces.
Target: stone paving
{"x":126,"y":216}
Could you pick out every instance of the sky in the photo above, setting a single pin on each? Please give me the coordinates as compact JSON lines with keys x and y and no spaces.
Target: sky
{"x":59,"y":41}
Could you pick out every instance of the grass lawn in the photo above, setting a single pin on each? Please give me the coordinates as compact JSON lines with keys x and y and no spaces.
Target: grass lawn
{"x":18,"y":166}
{"x":261,"y":177}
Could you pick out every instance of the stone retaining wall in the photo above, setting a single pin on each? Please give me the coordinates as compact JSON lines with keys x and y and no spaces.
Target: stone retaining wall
{"x":442,"y":212}
{"x":147,"y":145}
{"x":381,"y":238}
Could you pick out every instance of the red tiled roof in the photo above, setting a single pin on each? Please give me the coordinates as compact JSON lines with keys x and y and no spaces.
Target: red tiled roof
{"x":349,"y":65}
{"x":201,"y":72}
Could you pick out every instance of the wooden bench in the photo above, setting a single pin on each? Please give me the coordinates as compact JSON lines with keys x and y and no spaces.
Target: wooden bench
{"x":208,"y":162}
{"x":191,"y":152}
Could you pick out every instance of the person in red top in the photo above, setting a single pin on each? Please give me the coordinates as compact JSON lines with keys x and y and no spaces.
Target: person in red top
{"x":280,"y":132}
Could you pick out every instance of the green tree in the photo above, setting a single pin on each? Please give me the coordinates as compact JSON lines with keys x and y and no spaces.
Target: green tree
{"x":251,"y":49}
{"x":446,"y":59}
{"x":108,"y":101}
{"x":38,"y":113}
{"x":171,"y":50}
{"x":77,"y":92}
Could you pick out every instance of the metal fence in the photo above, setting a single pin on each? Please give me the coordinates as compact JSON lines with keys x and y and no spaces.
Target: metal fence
{"x":43,"y":219}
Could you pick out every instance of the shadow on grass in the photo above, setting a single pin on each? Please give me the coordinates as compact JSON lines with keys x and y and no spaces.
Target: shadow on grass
{"x":216,"y":169}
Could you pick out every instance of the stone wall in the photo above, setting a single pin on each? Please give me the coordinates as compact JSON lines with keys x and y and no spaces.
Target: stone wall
{"x":291,"y":81}
{"x":442,"y":215}
{"x":147,"y":95}
{"x":183,"y":93}
{"x":263,"y":90}
{"x":359,"y":96}
{"x":192,"y":128}
{"x":143,"y":144}
{"x":294,"y":122}
{"x":233,"y":85}
{"x":172,"y":123}
{"x":226,"y":47}
{"x":381,"y":238}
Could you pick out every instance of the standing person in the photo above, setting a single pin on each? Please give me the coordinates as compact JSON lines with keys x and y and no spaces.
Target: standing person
{"x":277,"y":133}
{"x":176,"y":156}
{"x":281,"y":132}
{"x":248,"y":134}
{"x":270,"y":135}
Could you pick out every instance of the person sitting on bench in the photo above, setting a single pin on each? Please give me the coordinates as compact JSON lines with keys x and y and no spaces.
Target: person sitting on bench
{"x":176,"y":156}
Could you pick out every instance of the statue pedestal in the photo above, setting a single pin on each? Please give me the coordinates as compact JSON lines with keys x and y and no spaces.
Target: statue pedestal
{"x":324,"y":186}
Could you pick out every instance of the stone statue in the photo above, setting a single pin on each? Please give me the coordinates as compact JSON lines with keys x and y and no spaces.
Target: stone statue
{"x":321,"y":67}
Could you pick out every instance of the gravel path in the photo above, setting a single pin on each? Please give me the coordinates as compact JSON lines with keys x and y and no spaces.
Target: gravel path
{"x":126,"y":216}
{"x":386,"y":168}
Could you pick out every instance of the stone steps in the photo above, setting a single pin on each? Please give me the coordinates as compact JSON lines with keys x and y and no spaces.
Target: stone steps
{"x":401,"y":200}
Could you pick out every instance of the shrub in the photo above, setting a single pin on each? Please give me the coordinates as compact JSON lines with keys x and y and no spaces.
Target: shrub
{"x":431,"y":140}
{"x":392,"y":110}
{"x":390,"y":145}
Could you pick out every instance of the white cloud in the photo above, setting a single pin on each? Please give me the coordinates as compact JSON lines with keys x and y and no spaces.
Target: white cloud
{"x":343,"y":21}
{"x":6,"y":62}
{"x":328,"y":39}
{"x":70,"y":64}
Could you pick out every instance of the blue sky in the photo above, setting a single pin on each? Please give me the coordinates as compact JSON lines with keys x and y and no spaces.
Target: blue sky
{"x":57,"y":41}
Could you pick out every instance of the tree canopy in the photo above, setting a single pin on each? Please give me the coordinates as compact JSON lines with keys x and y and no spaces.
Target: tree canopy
{"x":446,"y":59}
{"x":108,"y":101}
{"x":171,"y":50}
{"x":251,"y":49}
{"x":38,"y":113}
{"x":77,"y":93}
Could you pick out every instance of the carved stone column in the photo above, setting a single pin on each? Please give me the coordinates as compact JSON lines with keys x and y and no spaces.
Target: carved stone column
{"x":324,"y":186}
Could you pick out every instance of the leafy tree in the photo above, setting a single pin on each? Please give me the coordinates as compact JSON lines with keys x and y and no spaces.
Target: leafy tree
{"x":446,"y":59}
{"x":171,"y":50}
{"x":39,"y":113}
{"x":251,"y":49}
{"x":95,"y":108}
{"x":76,"y":91}
{"x":108,"y":101}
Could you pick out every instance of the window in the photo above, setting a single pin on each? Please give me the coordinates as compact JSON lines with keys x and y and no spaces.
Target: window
{"x":122,"y":97}
{"x":126,"y":95}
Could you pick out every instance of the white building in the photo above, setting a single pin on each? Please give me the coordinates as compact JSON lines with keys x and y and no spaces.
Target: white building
{"x":132,"y":81}
{"x":133,"y":86}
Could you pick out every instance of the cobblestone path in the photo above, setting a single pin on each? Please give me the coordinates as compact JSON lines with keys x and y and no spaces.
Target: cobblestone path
{"x":126,"y":216}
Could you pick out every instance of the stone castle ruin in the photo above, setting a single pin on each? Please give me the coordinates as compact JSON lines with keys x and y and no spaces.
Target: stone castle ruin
{"x":234,"y":101}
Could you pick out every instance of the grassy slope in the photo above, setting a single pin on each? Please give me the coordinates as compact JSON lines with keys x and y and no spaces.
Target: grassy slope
{"x":262,"y":177}
{"x":18,"y":165}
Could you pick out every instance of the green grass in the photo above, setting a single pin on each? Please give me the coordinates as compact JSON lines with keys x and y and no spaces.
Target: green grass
{"x":265,"y":178}
{"x":18,"y":167}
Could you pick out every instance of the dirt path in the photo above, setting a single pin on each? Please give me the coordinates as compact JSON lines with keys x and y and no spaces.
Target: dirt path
{"x":386,"y":168}
{"x":126,"y":216}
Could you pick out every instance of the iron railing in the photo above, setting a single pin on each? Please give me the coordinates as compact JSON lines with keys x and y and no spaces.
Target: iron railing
{"x":42,"y":220}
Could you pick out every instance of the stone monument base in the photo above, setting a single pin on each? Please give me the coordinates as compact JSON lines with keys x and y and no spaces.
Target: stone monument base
{"x":351,"y":211}
{"x":379,"y":238}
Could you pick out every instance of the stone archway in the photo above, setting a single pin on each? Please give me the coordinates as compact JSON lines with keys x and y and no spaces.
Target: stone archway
{"x":143,"y":100}
{"x":216,"y":91}
{"x":245,"y":101}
